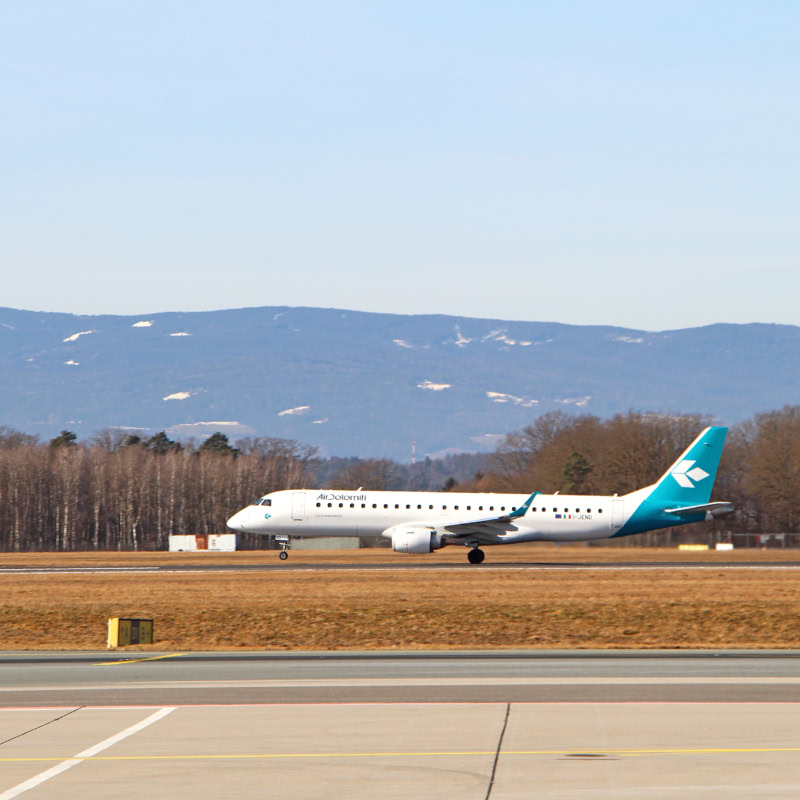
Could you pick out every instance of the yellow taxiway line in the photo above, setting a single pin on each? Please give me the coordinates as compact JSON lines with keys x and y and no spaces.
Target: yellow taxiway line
{"x":574,"y":752}
{"x":136,"y":660}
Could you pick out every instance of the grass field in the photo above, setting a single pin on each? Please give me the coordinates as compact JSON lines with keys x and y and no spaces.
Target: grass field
{"x":470,"y":608}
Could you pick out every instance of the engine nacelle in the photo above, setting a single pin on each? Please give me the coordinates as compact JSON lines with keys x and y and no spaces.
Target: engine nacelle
{"x":415,"y":540}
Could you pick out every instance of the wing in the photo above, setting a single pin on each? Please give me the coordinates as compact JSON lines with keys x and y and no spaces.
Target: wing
{"x":487,"y":529}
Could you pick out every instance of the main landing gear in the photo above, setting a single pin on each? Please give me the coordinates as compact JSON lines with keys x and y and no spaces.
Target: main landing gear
{"x":476,"y":555}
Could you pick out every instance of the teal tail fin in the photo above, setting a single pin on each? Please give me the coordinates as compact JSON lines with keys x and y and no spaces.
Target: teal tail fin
{"x":688,"y":482}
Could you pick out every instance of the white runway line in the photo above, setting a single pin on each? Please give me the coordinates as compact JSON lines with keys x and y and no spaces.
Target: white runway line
{"x":404,"y":568}
{"x":35,"y":781}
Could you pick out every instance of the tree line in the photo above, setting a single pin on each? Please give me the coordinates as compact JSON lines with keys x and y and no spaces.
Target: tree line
{"x":120,"y":491}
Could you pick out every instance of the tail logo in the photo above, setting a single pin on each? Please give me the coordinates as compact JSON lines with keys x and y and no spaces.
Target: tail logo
{"x":684,"y":476}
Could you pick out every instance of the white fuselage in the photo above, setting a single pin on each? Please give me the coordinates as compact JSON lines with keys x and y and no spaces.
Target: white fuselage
{"x":315,"y":512}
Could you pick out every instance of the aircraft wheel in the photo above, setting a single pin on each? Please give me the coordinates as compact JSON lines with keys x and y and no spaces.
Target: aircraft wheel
{"x":283,"y":555}
{"x":476,"y":556}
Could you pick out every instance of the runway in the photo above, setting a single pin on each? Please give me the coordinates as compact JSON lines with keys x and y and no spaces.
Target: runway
{"x":32,"y":679}
{"x":487,"y":725}
{"x":400,"y":566}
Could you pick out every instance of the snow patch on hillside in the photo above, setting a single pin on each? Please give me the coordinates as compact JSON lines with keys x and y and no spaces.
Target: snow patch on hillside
{"x":296,"y":410}
{"x":75,"y":336}
{"x":434,"y":387}
{"x":319,"y":421}
{"x":181,"y":333}
{"x":501,"y":397}
{"x":178,"y":396}
{"x":577,"y":401}
{"x":144,"y":323}
{"x":72,"y":363}
{"x":631,"y":339}
{"x":461,"y":340}
{"x":402,"y":343}
{"x":201,"y":428}
{"x":488,"y":439}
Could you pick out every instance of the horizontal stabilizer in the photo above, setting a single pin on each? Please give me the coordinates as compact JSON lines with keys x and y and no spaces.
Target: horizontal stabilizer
{"x":712,"y":509}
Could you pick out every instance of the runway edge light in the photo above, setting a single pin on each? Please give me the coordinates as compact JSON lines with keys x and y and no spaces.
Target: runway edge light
{"x":123,"y":631}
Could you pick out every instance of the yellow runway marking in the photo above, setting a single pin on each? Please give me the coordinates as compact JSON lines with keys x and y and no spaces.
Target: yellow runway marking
{"x":136,"y":660}
{"x":631,"y":753}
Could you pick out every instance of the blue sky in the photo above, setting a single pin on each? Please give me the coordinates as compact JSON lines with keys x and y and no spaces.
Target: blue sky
{"x":631,"y":163}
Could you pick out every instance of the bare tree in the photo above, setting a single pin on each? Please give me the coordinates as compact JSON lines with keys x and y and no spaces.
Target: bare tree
{"x":372,"y":473}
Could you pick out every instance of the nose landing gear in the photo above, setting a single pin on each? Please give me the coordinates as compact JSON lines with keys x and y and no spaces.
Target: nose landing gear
{"x":476,"y":555}
{"x":284,"y":542}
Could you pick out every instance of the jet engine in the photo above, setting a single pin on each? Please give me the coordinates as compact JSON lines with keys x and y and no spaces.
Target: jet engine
{"x":416,"y":540}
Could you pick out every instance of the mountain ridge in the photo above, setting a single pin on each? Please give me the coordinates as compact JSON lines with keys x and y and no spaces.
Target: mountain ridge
{"x":364,"y":383}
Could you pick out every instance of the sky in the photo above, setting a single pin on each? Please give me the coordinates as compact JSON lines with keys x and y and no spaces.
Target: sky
{"x":630,"y":163}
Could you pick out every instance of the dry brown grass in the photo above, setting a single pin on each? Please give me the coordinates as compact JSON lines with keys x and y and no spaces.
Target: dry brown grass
{"x":471,"y":608}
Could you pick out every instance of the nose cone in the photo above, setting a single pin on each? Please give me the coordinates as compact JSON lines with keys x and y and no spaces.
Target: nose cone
{"x":236,"y":522}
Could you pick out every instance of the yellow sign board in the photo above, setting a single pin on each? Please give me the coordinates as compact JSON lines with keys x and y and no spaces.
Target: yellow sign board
{"x":123,"y":631}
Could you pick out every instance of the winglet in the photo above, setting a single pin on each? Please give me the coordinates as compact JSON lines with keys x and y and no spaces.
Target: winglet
{"x":523,"y":509}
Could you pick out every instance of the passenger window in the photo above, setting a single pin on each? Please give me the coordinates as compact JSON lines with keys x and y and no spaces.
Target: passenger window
{"x":599,"y":510}
{"x":502,"y":508}
{"x":555,"y":509}
{"x":396,"y":505}
{"x":318,"y":505}
{"x":374,"y":505}
{"x":430,"y":507}
{"x":455,"y":508}
{"x":386,"y":505}
{"x":341,"y":505}
{"x":480,"y":508}
{"x":577,"y":511}
{"x":469,"y":508}
{"x":565,"y":510}
{"x":419,"y":506}
{"x":407,"y":505}
{"x":513,"y":508}
{"x":330,"y":504}
{"x":491,"y":508}
{"x":444,"y":508}
{"x":588,"y":510}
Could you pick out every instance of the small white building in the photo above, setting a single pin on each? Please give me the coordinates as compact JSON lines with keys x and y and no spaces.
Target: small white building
{"x":218,"y":542}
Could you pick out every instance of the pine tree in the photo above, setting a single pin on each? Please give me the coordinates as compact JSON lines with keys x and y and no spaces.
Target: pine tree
{"x":64,"y":439}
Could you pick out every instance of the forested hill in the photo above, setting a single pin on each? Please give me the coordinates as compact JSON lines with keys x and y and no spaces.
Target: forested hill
{"x":369,"y":384}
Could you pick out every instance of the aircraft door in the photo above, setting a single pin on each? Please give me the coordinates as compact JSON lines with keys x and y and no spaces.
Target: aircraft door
{"x":299,"y":506}
{"x":617,"y":513}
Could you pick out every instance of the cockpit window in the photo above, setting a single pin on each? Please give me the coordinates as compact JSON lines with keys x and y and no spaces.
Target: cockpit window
{"x":266,"y":502}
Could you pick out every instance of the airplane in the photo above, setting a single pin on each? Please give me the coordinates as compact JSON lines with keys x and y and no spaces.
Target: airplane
{"x":422,"y":522}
